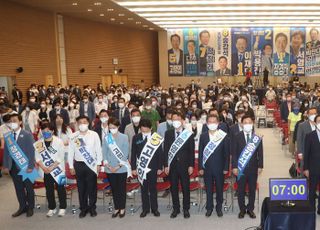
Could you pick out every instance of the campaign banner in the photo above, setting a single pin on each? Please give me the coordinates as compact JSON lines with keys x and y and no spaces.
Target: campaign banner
{"x":175,"y":52}
{"x":223,"y":52}
{"x":262,"y":45}
{"x":191,"y":52}
{"x":281,"y":51}
{"x":241,"y":51}
{"x":312,"y":55}
{"x":206,"y":52}
{"x":297,"y":51}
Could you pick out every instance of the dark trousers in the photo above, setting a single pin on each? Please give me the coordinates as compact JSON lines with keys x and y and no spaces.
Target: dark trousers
{"x":118,"y":182}
{"x":149,"y":192}
{"x":50,"y":184}
{"x":211,"y":180}
{"x":314,"y":180}
{"x":24,"y":189}
{"x":87,"y":186}
{"x":180,"y":174}
{"x":251,"y":180}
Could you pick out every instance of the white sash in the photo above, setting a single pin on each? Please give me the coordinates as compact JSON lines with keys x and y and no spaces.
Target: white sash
{"x":146,"y":156}
{"x":46,"y":158}
{"x":118,"y":153}
{"x":218,"y":137}
{"x":177,"y":144}
{"x":90,"y":161}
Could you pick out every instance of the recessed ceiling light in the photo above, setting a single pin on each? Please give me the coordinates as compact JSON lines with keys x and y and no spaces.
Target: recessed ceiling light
{"x":97,"y":4}
{"x":151,"y":28}
{"x":112,"y":19}
{"x":74,"y":4}
{"x":145,"y":26}
{"x":121,"y":23}
{"x":130,"y":19}
{"x":109,"y":9}
{"x":89,"y":10}
{"x":101,"y":15}
{"x":121,"y":15}
{"x":138,"y":23}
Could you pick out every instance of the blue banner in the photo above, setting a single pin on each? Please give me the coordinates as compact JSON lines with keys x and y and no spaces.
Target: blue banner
{"x":191,"y":52}
{"x":297,"y":51}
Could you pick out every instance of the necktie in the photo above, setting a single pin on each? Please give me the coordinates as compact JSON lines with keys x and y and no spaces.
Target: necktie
{"x":240,"y":57}
{"x":120,"y":115}
{"x":15,"y":136}
{"x":248,"y":137}
{"x":178,"y":133}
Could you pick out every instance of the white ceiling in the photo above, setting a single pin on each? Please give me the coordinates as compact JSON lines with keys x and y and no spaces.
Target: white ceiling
{"x":226,"y":13}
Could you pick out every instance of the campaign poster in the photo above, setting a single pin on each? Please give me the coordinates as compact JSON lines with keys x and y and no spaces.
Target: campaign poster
{"x":312,"y":55}
{"x":281,"y":51}
{"x":297,"y":51}
{"x":262,"y":45}
{"x":206,"y":52}
{"x":241,"y":51}
{"x":191,"y":52}
{"x":223,"y":52}
{"x":175,"y":52}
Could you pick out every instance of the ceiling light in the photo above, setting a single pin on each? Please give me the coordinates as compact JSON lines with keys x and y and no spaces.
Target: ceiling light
{"x":74,"y":4}
{"x":110,"y":9}
{"x":101,"y":15}
{"x":121,"y":15}
{"x":121,"y":23}
{"x":145,"y":26}
{"x":138,"y":23}
{"x":130,"y":19}
{"x":112,"y":19}
{"x":151,"y":28}
{"x":97,"y":3}
{"x":89,"y":10}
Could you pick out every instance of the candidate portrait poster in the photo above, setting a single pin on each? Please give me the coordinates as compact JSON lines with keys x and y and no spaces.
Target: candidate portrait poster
{"x":191,"y":52}
{"x":175,"y":52}
{"x":262,"y":46}
{"x":241,"y":51}
{"x":223,"y":52}
{"x":297,"y":51}
{"x":312,"y":55}
{"x":281,"y":51}
{"x":206,"y":52}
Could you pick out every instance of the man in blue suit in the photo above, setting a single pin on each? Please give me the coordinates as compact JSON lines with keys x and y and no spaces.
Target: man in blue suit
{"x":24,"y":189}
{"x":216,"y":165}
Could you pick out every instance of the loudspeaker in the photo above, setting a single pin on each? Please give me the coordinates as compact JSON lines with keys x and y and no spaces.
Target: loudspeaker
{"x":120,"y":70}
{"x":19,"y":69}
{"x":82,"y":70}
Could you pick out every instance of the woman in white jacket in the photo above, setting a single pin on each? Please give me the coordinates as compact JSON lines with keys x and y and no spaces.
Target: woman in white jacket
{"x":195,"y":126}
{"x":30,"y":119}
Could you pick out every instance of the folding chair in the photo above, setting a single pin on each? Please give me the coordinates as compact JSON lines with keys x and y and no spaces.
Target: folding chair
{"x":71,"y":186}
{"x":131,"y":187}
{"x":164,"y":186}
{"x":101,"y":185}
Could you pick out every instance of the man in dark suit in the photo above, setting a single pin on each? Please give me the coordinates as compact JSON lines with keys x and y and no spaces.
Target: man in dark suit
{"x":236,"y":129}
{"x":24,"y":188}
{"x":223,"y":67}
{"x":59,"y":110}
{"x":206,"y":57}
{"x":285,"y":108}
{"x":16,"y":94}
{"x":149,"y":187}
{"x":122,"y":114}
{"x":181,"y":166}
{"x":101,"y":126}
{"x":77,"y":91}
{"x":222,"y":125}
{"x":252,"y":169}
{"x":312,"y":161}
{"x":216,"y":165}
{"x":239,"y":56}
{"x":175,"y":56}
{"x":87,"y":108}
{"x":314,"y":35}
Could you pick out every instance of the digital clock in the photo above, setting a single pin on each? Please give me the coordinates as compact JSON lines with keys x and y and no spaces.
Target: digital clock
{"x":288,"y":189}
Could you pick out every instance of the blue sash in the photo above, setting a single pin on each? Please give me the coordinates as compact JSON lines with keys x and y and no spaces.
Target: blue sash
{"x":87,"y":158}
{"x":19,"y":158}
{"x":247,"y":153}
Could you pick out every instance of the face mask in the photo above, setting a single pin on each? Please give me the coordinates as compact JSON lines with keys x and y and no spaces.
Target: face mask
{"x":193,"y":122}
{"x":100,"y":100}
{"x":57,"y":107}
{"x":115,"y":100}
{"x":71,"y":105}
{"x":121,"y":105}
{"x":14,"y":125}
{"x":85,"y":100}
{"x":169,"y":122}
{"x":32,"y":100}
{"x":247,"y":128}
{"x":43,"y":106}
{"x":148,"y":107}
{"x":176,"y":124}
{"x":113,"y":131}
{"x":27,"y":109}
{"x":213,"y":126}
{"x":296,"y":110}
{"x":104,"y":119}
{"x":83,"y":127}
{"x":16,"y":104}
{"x":154,"y":103}
{"x":179,"y":107}
{"x":306,"y":105}
{"x":186,"y":102}
{"x":136,"y":119}
{"x":194,"y":106}
{"x":311,"y":117}
{"x":203,"y":98}
{"x":46,"y":135}
{"x":318,"y":126}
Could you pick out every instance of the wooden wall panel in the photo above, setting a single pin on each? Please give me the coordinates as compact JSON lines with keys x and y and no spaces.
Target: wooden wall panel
{"x":90,"y":45}
{"x":27,"y":39}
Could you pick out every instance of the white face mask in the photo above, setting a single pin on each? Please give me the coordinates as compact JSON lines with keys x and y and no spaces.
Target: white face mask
{"x":121,"y":105}
{"x":213,"y":126}
{"x":104,"y":119}
{"x":312,"y":117}
{"x":318,"y":126}
{"x":148,"y":107}
{"x":136,"y":119}
{"x":193,"y":122}
{"x":13,"y":125}
{"x":113,"y":131}
{"x":154,"y":103}
{"x":194,"y":106}
{"x":100,"y":100}
{"x":247,"y":128}
{"x":169,"y":122}
{"x":176,"y":124}
{"x":43,"y":106}
{"x":83,"y":127}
